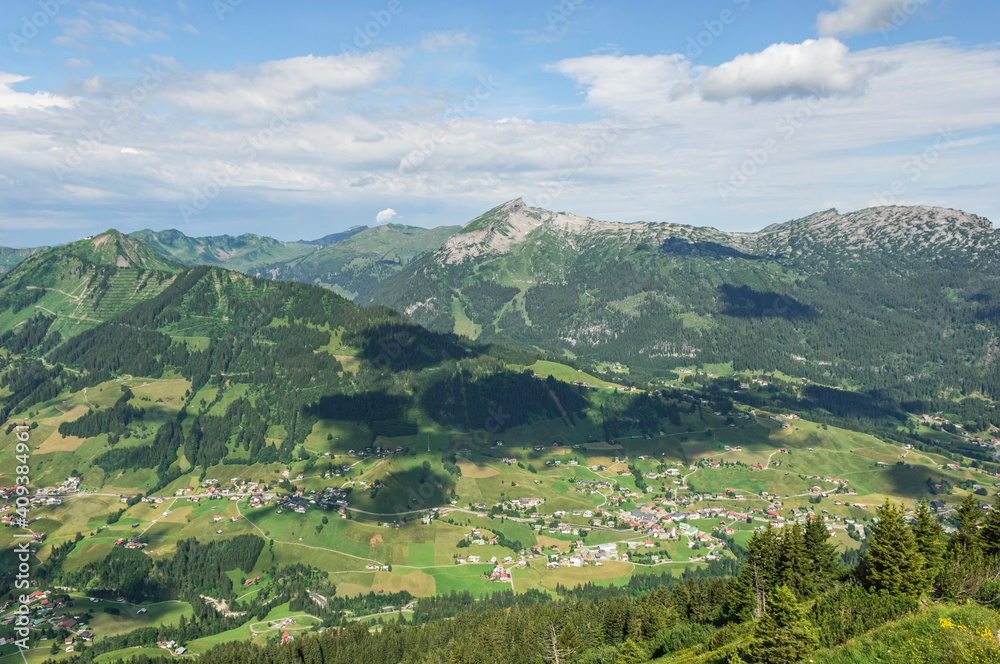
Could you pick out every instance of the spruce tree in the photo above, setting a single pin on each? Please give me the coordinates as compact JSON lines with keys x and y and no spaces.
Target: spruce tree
{"x":929,"y":537}
{"x":783,"y":635}
{"x":758,"y":574}
{"x":967,"y":543}
{"x":631,"y":652}
{"x":793,"y":562}
{"x":822,"y":555}
{"x":892,"y":562}
{"x":990,"y":534}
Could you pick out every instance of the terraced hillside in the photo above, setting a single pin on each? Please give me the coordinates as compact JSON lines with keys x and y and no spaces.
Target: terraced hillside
{"x":83,"y":284}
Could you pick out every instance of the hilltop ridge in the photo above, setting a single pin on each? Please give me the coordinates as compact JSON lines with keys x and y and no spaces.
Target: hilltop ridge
{"x":116,"y":249}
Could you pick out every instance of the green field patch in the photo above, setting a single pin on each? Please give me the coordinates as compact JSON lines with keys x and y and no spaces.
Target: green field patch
{"x":568,"y":374}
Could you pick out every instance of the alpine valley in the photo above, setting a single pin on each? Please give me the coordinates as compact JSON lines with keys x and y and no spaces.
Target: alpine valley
{"x":534,"y":437}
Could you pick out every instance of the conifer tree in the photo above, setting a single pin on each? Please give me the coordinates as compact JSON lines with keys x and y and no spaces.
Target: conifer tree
{"x":990,"y":534}
{"x":966,"y":543}
{"x":631,"y":652}
{"x":783,"y":635}
{"x":758,"y":573}
{"x":681,"y":598}
{"x":929,"y":537}
{"x":796,"y":572}
{"x":892,"y":562}
{"x":822,"y":555}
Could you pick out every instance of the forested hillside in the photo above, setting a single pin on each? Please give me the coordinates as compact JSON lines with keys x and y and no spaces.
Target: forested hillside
{"x":899,"y":300}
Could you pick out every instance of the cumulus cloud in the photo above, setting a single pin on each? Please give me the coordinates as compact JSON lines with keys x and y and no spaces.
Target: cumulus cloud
{"x":385,"y":216}
{"x":853,"y":17}
{"x":816,"y":66}
{"x":657,"y":86}
{"x":643,"y":83}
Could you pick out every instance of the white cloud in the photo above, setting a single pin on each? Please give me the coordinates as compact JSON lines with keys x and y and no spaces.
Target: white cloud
{"x":125,"y":33}
{"x":75,"y":31}
{"x":294,"y":85}
{"x":385,"y":216}
{"x":166,"y":60}
{"x":854,"y":17}
{"x":657,"y":87}
{"x":821,"y":67}
{"x":11,"y":99}
{"x":190,"y":29}
{"x":662,"y":157}
{"x":443,"y":39}
{"x":80,"y":63}
{"x":646,"y":84}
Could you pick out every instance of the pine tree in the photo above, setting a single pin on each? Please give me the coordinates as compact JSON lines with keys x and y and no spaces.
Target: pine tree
{"x":822,"y":555}
{"x":892,"y":561}
{"x":929,"y":537}
{"x":793,"y":563}
{"x":783,"y":635}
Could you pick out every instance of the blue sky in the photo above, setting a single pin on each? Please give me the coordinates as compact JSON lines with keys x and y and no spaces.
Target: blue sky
{"x":230,"y":116}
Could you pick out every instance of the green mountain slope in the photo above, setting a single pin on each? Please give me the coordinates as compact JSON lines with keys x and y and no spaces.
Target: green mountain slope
{"x":885,"y":298}
{"x":356,"y":266}
{"x":239,"y":253}
{"x":115,"y":249}
{"x":282,"y":346}
{"x":83,"y":284}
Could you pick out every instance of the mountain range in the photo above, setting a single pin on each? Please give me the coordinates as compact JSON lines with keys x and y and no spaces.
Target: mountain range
{"x":903,"y":299}
{"x":891,"y":298}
